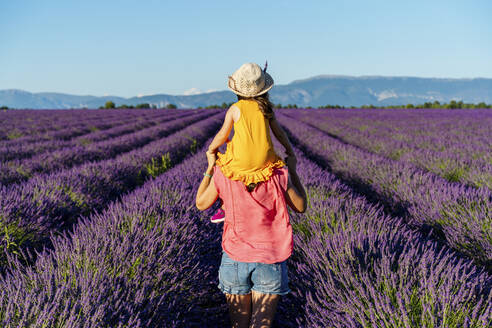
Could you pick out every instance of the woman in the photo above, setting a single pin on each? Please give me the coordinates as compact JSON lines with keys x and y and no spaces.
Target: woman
{"x":256,"y":239}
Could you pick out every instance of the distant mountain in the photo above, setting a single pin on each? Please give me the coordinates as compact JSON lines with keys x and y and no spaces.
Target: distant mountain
{"x":315,"y":91}
{"x":380,"y":90}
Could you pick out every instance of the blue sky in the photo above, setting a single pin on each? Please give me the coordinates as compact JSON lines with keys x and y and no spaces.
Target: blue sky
{"x":126,"y":48}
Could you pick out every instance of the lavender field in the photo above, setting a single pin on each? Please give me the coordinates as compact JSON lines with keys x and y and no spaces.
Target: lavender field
{"x":98,"y":225}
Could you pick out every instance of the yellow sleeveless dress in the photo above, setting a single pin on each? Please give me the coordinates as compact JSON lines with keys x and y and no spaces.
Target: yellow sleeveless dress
{"x":249,"y":156}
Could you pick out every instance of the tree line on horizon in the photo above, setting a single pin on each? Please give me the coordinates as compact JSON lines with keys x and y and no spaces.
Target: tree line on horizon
{"x":453,"y":104}
{"x":112,"y":105}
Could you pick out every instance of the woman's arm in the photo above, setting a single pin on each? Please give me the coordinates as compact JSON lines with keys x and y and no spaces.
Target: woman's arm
{"x":296,"y":195}
{"x":207,"y":193}
{"x":221,"y":136}
{"x":281,"y":136}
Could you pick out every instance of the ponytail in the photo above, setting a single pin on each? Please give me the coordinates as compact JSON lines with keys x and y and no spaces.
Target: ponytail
{"x":264,"y":103}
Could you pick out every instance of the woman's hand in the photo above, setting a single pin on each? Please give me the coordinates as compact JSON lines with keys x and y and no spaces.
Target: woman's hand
{"x":211,"y":158}
{"x":212,"y":150}
{"x":296,"y":195}
{"x":207,"y":193}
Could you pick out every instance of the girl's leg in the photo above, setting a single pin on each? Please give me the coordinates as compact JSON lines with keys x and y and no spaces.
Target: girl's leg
{"x":239,"y":309}
{"x":264,"y":308}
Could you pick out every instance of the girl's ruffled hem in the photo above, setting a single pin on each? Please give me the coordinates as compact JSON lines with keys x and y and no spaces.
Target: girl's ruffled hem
{"x":261,"y":175}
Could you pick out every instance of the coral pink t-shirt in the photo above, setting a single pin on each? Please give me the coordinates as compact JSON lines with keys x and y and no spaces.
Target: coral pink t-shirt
{"x":256,"y":226}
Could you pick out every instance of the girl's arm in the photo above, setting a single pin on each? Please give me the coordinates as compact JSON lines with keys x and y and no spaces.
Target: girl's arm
{"x":225,"y":130}
{"x":281,"y":136}
{"x":207,"y":193}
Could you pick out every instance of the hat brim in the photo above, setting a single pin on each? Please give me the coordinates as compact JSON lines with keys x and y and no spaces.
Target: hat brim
{"x":268,"y":85}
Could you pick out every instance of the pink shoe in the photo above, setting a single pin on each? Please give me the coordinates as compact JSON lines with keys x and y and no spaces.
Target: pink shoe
{"x":219,"y":216}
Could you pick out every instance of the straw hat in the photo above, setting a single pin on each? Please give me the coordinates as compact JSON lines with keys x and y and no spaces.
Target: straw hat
{"x":250,"y":80}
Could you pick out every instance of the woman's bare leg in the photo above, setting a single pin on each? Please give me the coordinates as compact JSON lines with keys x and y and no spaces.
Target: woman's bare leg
{"x":239,"y":309}
{"x":264,"y":308}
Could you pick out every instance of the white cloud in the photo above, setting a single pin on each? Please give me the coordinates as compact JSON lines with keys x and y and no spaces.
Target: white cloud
{"x":386,"y":94}
{"x":211,"y":90}
{"x":192,"y":91}
{"x":140,"y":95}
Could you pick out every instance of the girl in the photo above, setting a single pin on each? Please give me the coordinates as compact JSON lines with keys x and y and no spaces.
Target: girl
{"x":249,"y":157}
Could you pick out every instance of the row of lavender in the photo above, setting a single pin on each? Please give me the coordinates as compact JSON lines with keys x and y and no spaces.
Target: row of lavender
{"x":91,"y":132}
{"x":33,"y":125}
{"x":431,"y":129}
{"x":25,"y":123}
{"x":140,"y":264}
{"x":16,"y":171}
{"x":354,"y":266}
{"x":458,"y":152}
{"x":456,"y":214}
{"x":50,"y":203}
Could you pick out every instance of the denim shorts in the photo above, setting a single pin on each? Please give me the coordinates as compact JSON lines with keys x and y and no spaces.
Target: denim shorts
{"x":243,"y":277}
